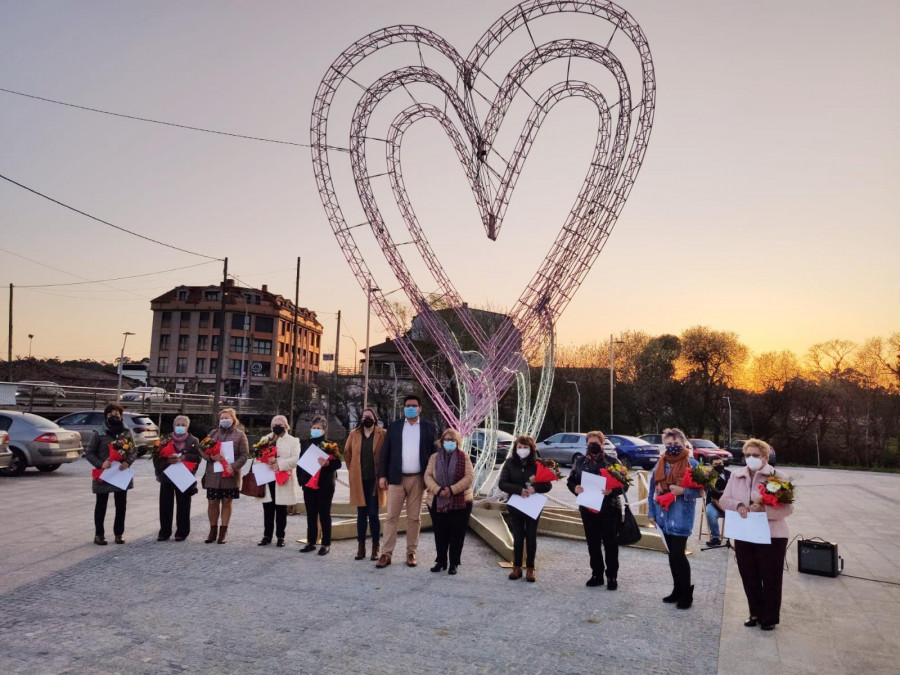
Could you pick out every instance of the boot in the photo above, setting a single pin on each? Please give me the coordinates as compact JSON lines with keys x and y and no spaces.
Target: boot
{"x":673,"y":596}
{"x":516,"y":572}
{"x":361,"y":550}
{"x":213,"y":533}
{"x":529,"y":574}
{"x":686,"y":599}
{"x":375,"y":550}
{"x":223,"y":534}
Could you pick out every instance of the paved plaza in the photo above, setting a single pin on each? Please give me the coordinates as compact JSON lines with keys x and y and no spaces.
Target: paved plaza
{"x":67,"y":606}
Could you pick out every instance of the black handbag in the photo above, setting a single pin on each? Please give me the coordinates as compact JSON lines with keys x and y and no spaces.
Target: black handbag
{"x":629,"y":533}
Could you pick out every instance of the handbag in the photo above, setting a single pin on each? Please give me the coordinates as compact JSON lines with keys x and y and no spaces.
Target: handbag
{"x":628,"y":533}
{"x":250,"y":488}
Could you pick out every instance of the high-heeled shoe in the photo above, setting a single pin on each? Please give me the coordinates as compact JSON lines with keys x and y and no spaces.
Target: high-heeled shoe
{"x":439,"y":567}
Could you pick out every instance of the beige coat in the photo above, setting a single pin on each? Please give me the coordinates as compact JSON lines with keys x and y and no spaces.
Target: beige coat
{"x":464,"y":485}
{"x":352,"y":450}
{"x":288,"y":453}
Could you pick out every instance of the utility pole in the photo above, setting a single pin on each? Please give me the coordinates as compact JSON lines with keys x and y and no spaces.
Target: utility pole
{"x":221,"y":357}
{"x":728,"y":398}
{"x":368,"y":321}
{"x":294,"y":344}
{"x":612,"y":380}
{"x":121,"y":363}
{"x":577,"y":391}
{"x":337,"y":356}
{"x":9,"y":353}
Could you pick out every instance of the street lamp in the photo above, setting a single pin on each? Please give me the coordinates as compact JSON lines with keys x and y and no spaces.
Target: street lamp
{"x":371,"y":290}
{"x":728,"y":398}
{"x":612,"y":377}
{"x":578,"y":430}
{"x":121,"y":362}
{"x":355,"y":352}
{"x":30,"y":338}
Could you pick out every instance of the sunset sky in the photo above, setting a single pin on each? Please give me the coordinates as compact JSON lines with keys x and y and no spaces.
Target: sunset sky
{"x":768,"y":201}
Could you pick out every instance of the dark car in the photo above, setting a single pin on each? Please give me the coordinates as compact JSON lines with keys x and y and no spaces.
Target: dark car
{"x":706,"y":451}
{"x":633,"y":451}
{"x":736,"y":449}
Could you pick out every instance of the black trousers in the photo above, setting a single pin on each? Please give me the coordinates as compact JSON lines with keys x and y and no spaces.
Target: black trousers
{"x":678,"y":562}
{"x":121,"y":499}
{"x":600,"y":532}
{"x":762,"y":569}
{"x":524,"y":532}
{"x":368,"y":514}
{"x":274,"y":516}
{"x":169,"y":496}
{"x":450,"y":533}
{"x":318,"y":510}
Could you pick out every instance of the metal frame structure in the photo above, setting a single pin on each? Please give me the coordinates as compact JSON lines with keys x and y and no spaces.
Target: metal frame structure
{"x":623,"y":131}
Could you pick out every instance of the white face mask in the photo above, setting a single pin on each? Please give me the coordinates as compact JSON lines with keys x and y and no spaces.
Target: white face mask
{"x":523,"y":452}
{"x":754,"y":463}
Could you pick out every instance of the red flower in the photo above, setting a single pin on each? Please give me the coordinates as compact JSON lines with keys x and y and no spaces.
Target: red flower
{"x":544,"y":474}
{"x":313,"y":483}
{"x":611,"y":482}
{"x":114,"y":454}
{"x":168,"y":450}
{"x":282,"y":477}
{"x":665,"y":500}
{"x":95,"y":474}
{"x":191,"y":466}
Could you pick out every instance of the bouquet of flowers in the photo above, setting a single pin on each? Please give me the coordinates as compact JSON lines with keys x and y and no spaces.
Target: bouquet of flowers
{"x":616,"y":476}
{"x":665,"y":500}
{"x":700,"y":477}
{"x":547,"y":471}
{"x":163,"y":447}
{"x":267,"y":449}
{"x":211,"y":447}
{"x":777,"y":491}
{"x":118,"y":449}
{"x":332,"y":449}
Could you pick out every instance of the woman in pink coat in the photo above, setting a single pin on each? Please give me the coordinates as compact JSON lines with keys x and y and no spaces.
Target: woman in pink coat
{"x":761,"y":565}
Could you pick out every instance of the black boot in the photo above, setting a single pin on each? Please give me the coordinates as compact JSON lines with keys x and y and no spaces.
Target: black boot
{"x":686,"y":599}
{"x":673,"y":596}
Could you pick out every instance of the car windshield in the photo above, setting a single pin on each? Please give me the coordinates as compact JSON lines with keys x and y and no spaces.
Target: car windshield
{"x":39,"y":422}
{"x":704,"y":444}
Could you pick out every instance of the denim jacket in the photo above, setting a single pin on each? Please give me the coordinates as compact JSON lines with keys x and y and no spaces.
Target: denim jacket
{"x":678,"y":521}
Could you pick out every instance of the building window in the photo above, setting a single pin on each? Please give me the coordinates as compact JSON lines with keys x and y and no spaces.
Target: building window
{"x":166,"y":319}
{"x":163,"y":342}
{"x":201,"y":366}
{"x":217,"y":320}
{"x":162,"y":364}
{"x":252,"y":299}
{"x":213,"y":366}
{"x":234,"y":367}
{"x":181,"y":365}
{"x":262,"y":346}
{"x":265,"y":370}
{"x":240,"y":321}
{"x":211,"y":295}
{"x":265,"y":324}
{"x":185,"y":319}
{"x":204,"y":319}
{"x":182,"y":295}
{"x":236,"y":344}
{"x":215,"y":343}
{"x":183,"y":342}
{"x":202,"y":343}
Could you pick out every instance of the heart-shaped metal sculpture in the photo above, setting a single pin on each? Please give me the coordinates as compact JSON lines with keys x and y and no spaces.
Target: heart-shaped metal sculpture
{"x":623,"y":132}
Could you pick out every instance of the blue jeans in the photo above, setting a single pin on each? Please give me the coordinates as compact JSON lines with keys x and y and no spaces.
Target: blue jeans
{"x":712,"y":519}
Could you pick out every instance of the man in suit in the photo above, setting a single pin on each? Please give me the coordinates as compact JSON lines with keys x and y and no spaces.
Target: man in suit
{"x":401,"y":471}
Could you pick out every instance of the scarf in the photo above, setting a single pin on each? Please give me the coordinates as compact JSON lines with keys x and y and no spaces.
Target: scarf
{"x":677,"y":466}
{"x":446,"y":475}
{"x":179,"y":443}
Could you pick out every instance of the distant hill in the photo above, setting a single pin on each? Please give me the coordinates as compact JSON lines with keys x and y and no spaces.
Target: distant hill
{"x":68,"y":373}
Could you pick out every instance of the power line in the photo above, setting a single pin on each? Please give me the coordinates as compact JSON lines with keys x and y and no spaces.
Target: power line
{"x":105,"y":222}
{"x":101,"y":281}
{"x":168,"y":124}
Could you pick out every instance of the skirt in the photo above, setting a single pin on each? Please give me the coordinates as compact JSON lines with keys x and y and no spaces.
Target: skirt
{"x":222,"y":493}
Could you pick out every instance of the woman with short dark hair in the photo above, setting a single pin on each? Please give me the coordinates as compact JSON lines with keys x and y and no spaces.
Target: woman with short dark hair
{"x":114,"y":443}
{"x":318,"y":490}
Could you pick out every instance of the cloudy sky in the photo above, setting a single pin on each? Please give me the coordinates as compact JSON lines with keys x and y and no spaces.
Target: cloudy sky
{"x":767,"y":203}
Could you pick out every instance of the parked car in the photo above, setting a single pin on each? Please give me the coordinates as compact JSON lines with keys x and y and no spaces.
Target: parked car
{"x":29,"y":391}
{"x":565,"y":448}
{"x":736,"y":450}
{"x":504,"y":443}
{"x":38,"y":442}
{"x":655,"y":440}
{"x":6,"y":455}
{"x":88,"y":422}
{"x":151,"y":394}
{"x":705,"y":451}
{"x":633,"y":451}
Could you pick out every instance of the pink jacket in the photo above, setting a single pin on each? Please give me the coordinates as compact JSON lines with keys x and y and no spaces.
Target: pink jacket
{"x":739,"y":489}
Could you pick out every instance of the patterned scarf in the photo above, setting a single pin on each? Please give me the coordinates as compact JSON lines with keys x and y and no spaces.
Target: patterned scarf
{"x":447,"y":476}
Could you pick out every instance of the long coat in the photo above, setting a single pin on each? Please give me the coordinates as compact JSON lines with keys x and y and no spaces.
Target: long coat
{"x":741,"y":489}
{"x":213,"y":480}
{"x":288,"y":452}
{"x":98,"y":452}
{"x":353,"y":458}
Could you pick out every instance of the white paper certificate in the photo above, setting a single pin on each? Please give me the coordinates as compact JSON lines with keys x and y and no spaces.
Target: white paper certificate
{"x":531,"y":507}
{"x":117,"y":476}
{"x":310,"y":460}
{"x":754,"y":528}
{"x":226,"y":449}
{"x":178,"y":473}
{"x":263,"y":473}
{"x":592,"y":497}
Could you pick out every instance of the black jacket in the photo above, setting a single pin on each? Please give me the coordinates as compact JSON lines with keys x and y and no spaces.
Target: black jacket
{"x":720,"y":488}
{"x":327,"y":473}
{"x":98,"y":452}
{"x":584,"y":464}
{"x":191,"y":453}
{"x":516,"y":473}
{"x":390,"y":464}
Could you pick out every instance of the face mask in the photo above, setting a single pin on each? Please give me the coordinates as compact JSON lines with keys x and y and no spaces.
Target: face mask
{"x":411,"y":412}
{"x":180,"y":431}
{"x":594,"y":448}
{"x":449,"y":446}
{"x":316,"y":433}
{"x":674,"y":450}
{"x":718,"y":468}
{"x":523,"y":452}
{"x":278,"y":429}
{"x":226,"y":423}
{"x":114,"y":422}
{"x":754,"y":463}
{"x":368,"y":422}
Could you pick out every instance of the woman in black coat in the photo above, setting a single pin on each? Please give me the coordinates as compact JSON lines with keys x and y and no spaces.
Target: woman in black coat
{"x":186,"y":448}
{"x":600,"y":527}
{"x":318,"y":496}
{"x":517,"y":478}
{"x":115,"y":435}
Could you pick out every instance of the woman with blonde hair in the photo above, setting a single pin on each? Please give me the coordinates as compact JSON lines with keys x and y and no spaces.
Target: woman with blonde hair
{"x":281,"y":492}
{"x":362,"y":452}
{"x":223,"y":487}
{"x":448,"y":479}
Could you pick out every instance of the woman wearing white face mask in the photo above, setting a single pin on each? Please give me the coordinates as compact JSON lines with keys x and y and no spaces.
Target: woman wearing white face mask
{"x":761,"y":565}
{"x":223,"y":487}
{"x":448,"y":479}
{"x":517,"y":478}
{"x":185,"y":449}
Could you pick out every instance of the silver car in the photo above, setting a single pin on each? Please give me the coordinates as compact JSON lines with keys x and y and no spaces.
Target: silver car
{"x":88,"y":422}
{"x":565,"y":448}
{"x":504,"y":443}
{"x":149,"y":394}
{"x":6,"y":455}
{"x":38,"y":442}
{"x":30,"y":391}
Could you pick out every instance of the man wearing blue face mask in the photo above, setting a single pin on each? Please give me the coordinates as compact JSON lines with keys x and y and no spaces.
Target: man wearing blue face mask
{"x":401,"y":471}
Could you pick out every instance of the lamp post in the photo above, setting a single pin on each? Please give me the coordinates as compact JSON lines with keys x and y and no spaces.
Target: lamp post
{"x":30,"y":338}
{"x":612,"y":377}
{"x":728,"y":398}
{"x":578,"y":429}
{"x":121,"y":362}
{"x":356,"y":352}
{"x":368,"y":322}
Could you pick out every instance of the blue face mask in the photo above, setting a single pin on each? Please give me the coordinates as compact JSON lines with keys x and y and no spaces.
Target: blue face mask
{"x":180,"y":431}
{"x":674,"y":450}
{"x":316,"y":433}
{"x":449,"y":446}
{"x":411,"y":411}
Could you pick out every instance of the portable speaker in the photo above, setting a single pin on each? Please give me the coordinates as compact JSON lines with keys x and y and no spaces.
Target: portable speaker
{"x":817,"y":557}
